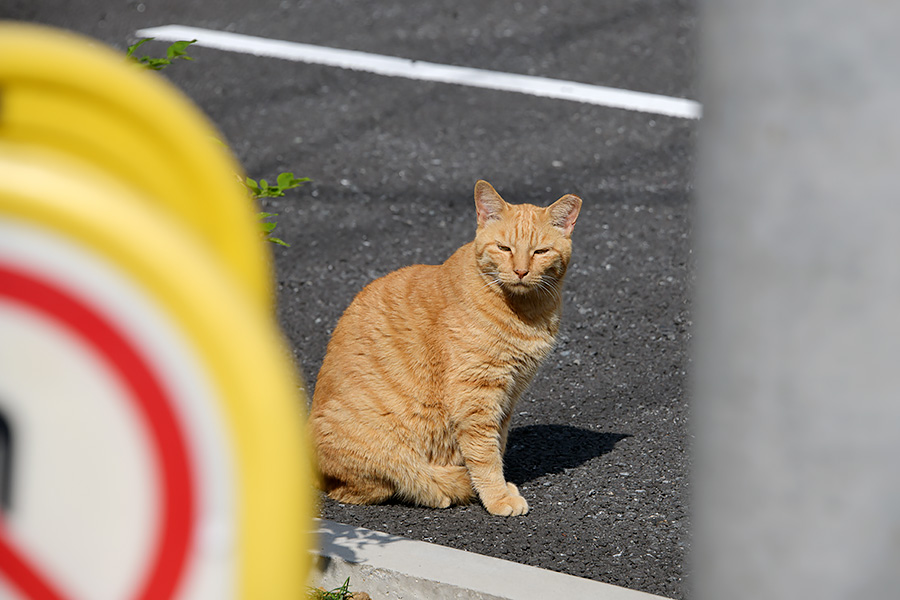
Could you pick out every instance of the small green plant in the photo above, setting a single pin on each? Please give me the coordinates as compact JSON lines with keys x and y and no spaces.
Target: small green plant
{"x":173,"y":52}
{"x":263,"y":189}
{"x":258,"y":189}
{"x":341,"y":593}
{"x":267,"y":227}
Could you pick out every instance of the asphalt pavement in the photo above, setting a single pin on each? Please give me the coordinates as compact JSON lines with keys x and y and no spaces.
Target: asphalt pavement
{"x":599,"y":444}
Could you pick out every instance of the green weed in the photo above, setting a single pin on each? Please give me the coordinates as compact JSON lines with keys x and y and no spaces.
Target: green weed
{"x":341,"y":593}
{"x":263,"y":189}
{"x":173,"y":53}
{"x":258,"y":189}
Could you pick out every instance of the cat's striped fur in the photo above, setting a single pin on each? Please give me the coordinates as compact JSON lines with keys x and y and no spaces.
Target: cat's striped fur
{"x":415,"y":395}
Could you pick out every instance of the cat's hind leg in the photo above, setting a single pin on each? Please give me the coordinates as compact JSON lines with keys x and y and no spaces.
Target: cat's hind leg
{"x":455,"y":483}
{"x":347,"y":478}
{"x":433,"y":486}
{"x":436,"y":486}
{"x":372,"y":478}
{"x":358,"y":490}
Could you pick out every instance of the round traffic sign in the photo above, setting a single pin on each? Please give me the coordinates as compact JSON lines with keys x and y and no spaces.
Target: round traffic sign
{"x":137,"y":310}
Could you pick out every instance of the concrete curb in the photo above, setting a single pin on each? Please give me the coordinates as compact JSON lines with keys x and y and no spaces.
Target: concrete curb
{"x":389,"y":567}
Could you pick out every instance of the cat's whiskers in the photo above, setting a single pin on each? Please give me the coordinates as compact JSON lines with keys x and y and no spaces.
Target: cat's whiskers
{"x":495,"y":279}
{"x":548,"y":286}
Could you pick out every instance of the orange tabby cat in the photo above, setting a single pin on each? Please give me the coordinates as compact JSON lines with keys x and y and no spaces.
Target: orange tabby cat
{"x":417,"y":389}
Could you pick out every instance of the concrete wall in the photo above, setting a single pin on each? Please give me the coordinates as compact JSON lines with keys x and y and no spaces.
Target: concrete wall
{"x":797,"y":389}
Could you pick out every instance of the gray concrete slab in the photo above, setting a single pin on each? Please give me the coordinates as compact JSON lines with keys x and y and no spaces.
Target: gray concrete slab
{"x":798,"y":335}
{"x":391,"y":567}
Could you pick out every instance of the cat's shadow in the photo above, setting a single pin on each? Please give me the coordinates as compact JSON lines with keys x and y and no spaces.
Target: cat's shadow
{"x":533,"y":451}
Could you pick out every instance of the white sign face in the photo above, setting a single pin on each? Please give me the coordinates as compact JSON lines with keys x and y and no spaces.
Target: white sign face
{"x":83,"y":474}
{"x":118,"y":477}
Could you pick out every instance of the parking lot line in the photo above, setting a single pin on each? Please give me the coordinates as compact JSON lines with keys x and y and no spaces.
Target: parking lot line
{"x":392,"y":66}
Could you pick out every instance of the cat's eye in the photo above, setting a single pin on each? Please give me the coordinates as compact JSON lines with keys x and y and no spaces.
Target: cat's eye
{"x":542,"y":251}
{"x":504,"y":248}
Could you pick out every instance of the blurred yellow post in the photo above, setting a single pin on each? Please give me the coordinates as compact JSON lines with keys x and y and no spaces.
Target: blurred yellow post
{"x":132,"y":271}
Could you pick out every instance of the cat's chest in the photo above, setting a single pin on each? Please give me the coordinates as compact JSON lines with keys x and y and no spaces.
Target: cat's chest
{"x":515,"y":349}
{"x":523,"y":356}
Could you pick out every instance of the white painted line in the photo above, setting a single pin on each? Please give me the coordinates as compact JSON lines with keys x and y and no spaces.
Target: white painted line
{"x":392,"y":66}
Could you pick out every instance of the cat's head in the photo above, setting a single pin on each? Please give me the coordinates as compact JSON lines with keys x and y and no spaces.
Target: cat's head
{"x":523,"y":248}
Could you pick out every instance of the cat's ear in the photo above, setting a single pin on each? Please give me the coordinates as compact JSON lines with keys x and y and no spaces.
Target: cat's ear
{"x":564,"y":212}
{"x":488,"y":203}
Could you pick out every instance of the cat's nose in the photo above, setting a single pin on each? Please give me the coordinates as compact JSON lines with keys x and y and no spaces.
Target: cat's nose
{"x":521,"y":273}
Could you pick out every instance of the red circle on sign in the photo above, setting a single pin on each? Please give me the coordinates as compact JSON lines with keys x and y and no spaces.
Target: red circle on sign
{"x":152,"y":402}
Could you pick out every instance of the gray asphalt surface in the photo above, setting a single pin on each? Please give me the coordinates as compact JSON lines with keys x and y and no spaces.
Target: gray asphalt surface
{"x":599,"y":445}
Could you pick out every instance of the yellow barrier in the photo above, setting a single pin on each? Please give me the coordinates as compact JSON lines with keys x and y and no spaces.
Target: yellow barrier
{"x":150,"y":287}
{"x":65,"y":93}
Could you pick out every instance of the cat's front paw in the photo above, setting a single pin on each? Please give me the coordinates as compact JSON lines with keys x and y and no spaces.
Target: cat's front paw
{"x":511,"y":504}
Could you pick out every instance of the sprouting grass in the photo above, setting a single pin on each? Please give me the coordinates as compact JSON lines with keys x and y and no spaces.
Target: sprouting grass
{"x":341,"y":593}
